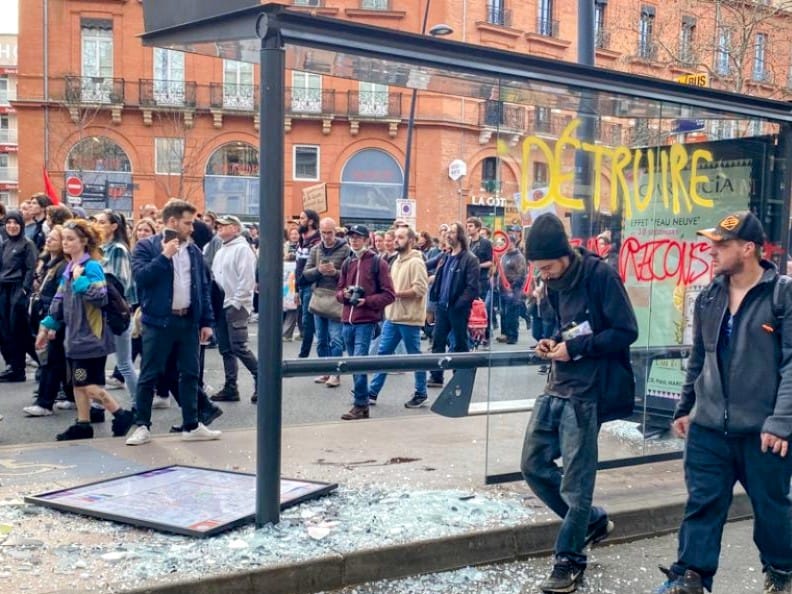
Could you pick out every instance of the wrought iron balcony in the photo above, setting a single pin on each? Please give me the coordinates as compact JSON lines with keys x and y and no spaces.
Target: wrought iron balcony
{"x":497,"y":15}
{"x":647,"y":51}
{"x":9,"y":174}
{"x":497,"y":114}
{"x":8,"y":136}
{"x":312,"y":3}
{"x":233,"y":97}
{"x":375,"y":4}
{"x":547,"y":27}
{"x":602,"y":39}
{"x":688,"y":57}
{"x":374,"y":104}
{"x":167,"y":93}
{"x":7,"y":95}
{"x":94,"y":89}
{"x":307,"y":101}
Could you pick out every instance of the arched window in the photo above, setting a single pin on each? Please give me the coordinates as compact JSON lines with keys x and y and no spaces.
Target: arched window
{"x":105,"y":173}
{"x":231,"y":183}
{"x":371,"y":182}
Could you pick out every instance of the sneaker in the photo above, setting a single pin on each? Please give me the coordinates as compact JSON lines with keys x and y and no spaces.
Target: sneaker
{"x":122,"y":422}
{"x":65,"y":405}
{"x":356,"y":413}
{"x":501,"y":338}
{"x":565,"y":577}
{"x":334,"y":381}
{"x":777,"y":581}
{"x":97,"y":415}
{"x":208,"y":416}
{"x":227,"y":394}
{"x":417,"y":401}
{"x":689,"y":583}
{"x":113,"y":383}
{"x":254,"y":399}
{"x":543,"y":370}
{"x":161,"y":403}
{"x":434,"y":383}
{"x":372,"y":400}
{"x":201,"y":433}
{"x":37,"y":411}
{"x":140,"y":436}
{"x":76,"y":431}
{"x":11,"y":375}
{"x":598,"y":531}
{"x":322,"y":379}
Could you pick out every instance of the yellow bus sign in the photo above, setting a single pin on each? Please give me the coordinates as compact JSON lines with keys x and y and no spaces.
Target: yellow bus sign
{"x":695,"y":80}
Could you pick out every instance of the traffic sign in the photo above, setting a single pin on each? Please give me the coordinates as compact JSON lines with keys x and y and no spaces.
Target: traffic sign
{"x":74,"y":186}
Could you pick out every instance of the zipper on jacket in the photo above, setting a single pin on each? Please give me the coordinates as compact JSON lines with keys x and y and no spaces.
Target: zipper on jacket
{"x":723,"y":387}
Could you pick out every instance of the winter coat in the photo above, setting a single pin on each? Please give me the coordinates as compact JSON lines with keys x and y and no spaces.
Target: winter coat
{"x":378,"y":292}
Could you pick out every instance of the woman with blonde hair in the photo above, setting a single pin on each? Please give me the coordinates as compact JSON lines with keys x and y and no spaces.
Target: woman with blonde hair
{"x":88,"y":340}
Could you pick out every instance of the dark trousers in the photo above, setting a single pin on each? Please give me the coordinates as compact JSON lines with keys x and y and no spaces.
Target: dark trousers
{"x":449,"y":321}
{"x":713,"y":463}
{"x":16,"y":339}
{"x":308,"y":327}
{"x":181,"y":335}
{"x":510,"y":317}
{"x":53,"y":373}
{"x":168,"y":383}
{"x":232,"y":340}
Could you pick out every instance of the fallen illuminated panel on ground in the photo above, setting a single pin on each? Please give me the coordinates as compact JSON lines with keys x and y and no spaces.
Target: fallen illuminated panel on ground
{"x":179,"y":499}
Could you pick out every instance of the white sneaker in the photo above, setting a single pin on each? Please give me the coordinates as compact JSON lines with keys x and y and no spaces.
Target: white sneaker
{"x":37,"y":411}
{"x":112,"y":383}
{"x":140,"y":436}
{"x":160,"y":402}
{"x":201,"y":433}
{"x":65,"y":405}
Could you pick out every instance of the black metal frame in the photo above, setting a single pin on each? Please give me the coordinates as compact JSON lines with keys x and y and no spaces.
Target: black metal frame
{"x":275,"y":26}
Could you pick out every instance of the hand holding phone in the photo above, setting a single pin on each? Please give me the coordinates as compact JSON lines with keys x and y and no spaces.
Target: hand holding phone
{"x":170,"y":243}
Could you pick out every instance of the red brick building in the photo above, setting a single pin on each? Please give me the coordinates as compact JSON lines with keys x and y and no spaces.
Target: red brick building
{"x":136,"y":125}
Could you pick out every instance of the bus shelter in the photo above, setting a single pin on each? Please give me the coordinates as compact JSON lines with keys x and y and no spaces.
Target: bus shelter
{"x":643,"y":161}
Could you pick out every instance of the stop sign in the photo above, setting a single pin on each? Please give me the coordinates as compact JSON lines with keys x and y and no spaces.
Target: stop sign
{"x":74,"y":186}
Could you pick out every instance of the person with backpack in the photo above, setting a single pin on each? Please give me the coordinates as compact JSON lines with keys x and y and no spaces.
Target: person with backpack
{"x":117,"y":265}
{"x":735,"y":411}
{"x":88,"y":340}
{"x":590,"y":382}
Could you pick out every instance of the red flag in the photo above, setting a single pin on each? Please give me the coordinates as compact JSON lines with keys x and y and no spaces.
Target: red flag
{"x":53,"y":195}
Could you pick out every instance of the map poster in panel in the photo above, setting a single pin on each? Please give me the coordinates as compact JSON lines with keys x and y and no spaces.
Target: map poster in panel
{"x":179,"y":499}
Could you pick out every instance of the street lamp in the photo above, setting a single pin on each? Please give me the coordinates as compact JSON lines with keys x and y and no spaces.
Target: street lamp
{"x":438,"y":30}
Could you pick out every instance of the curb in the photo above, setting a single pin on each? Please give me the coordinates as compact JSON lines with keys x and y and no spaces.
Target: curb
{"x":340,"y":570}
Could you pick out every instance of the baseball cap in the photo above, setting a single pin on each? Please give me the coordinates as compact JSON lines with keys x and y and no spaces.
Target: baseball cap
{"x":361,"y":230}
{"x":514,"y":228}
{"x":229,"y":220}
{"x":739,"y":225}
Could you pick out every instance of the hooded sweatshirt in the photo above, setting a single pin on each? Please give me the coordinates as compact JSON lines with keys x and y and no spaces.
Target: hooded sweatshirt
{"x":358,"y":271}
{"x":18,"y":261}
{"x":409,"y":272}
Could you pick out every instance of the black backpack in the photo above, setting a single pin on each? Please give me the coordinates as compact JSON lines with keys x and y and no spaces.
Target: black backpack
{"x":117,"y":312}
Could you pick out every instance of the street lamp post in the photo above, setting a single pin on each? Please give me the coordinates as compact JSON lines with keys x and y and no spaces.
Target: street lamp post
{"x":436,"y":31}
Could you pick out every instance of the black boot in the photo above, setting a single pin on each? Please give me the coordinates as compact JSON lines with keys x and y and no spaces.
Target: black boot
{"x":76,"y":431}
{"x":122,"y":421}
{"x":229,"y":393}
{"x":13,"y":375}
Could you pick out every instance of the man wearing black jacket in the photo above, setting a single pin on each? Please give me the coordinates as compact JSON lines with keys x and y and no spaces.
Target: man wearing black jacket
{"x":455,"y":287}
{"x":309,"y":237}
{"x":736,"y":410}
{"x":590,"y":382}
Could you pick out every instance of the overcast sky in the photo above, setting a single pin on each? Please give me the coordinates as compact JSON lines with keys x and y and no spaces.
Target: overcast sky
{"x":10,"y":19}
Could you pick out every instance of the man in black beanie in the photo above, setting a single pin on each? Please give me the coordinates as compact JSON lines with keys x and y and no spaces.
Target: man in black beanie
{"x":590,"y":382}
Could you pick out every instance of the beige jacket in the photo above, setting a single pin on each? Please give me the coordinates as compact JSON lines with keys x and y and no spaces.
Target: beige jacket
{"x":409,"y":272}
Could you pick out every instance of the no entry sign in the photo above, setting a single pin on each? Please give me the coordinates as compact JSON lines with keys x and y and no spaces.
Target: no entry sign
{"x":74,"y":186}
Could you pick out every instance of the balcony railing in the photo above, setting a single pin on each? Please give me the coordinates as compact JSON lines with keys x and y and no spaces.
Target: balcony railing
{"x":547,"y":27}
{"x":94,"y":89}
{"x":497,"y":15}
{"x":688,"y":57}
{"x":8,"y":136}
{"x":167,"y":93}
{"x":313,"y":3}
{"x":9,"y":174}
{"x":310,"y":100}
{"x":6,"y":96}
{"x":233,"y":97}
{"x":647,"y":51}
{"x":602,"y":39}
{"x":374,"y":104}
{"x":375,"y":4}
{"x":496,"y":114}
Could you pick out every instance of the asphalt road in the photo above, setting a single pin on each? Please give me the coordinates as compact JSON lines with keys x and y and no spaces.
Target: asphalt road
{"x":303,"y":400}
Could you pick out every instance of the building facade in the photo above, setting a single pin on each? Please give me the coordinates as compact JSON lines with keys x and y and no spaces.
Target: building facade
{"x":119,"y":125}
{"x":9,"y":166}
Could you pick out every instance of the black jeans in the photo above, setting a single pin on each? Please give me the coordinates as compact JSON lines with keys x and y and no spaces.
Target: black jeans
{"x":181,"y":336}
{"x":54,"y":373}
{"x":713,"y":463}
{"x":449,"y":321}
{"x":16,"y":339}
{"x":232,"y":340}
{"x":308,"y":328}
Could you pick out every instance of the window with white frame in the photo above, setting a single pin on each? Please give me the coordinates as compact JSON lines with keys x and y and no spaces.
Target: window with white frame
{"x":168,"y":77}
{"x":759,"y":63}
{"x":238,"y":91}
{"x":97,"y":61}
{"x":544,"y":18}
{"x":306,"y":94}
{"x":373,"y":99}
{"x":169,"y":155}
{"x":687,"y":41}
{"x":5,"y":198}
{"x":600,"y":35}
{"x":723,"y":51}
{"x":306,"y":163}
{"x":646,"y":44}
{"x":375,"y":4}
{"x":4,"y":90}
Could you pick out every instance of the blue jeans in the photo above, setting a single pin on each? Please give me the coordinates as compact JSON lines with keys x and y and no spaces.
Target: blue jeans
{"x":358,"y":338}
{"x":713,"y":463}
{"x":308,"y":329}
{"x":564,"y":428}
{"x":123,"y":353}
{"x":329,"y":339}
{"x":393,"y":335}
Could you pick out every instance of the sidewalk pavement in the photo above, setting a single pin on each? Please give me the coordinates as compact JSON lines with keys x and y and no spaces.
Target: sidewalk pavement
{"x":411,"y":500}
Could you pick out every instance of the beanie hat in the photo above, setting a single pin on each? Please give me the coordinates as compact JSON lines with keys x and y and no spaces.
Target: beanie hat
{"x":547,"y":239}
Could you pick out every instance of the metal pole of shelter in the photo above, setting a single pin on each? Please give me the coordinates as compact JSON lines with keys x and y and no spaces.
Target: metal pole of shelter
{"x":270,"y":350}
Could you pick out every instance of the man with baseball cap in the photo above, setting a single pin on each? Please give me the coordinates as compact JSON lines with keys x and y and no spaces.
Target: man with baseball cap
{"x":234,"y":270}
{"x":735,"y":411}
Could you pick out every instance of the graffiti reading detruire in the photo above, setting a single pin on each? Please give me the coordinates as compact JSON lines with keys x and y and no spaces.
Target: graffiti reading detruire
{"x":626,"y":167}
